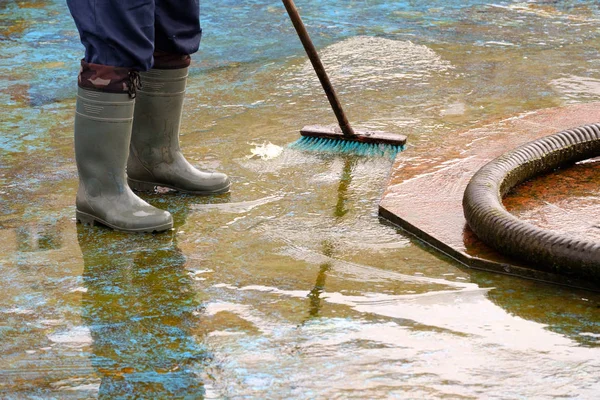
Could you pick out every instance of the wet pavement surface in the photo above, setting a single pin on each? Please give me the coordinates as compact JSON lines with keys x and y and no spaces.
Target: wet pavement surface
{"x":291,"y":286}
{"x":425,"y":198}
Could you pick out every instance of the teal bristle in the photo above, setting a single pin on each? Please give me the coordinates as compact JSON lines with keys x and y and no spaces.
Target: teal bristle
{"x":349,"y":147}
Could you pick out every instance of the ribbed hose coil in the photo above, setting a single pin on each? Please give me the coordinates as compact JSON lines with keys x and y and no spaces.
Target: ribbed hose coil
{"x":544,"y":250}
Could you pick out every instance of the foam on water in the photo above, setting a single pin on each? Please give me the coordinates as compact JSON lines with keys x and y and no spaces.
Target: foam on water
{"x":370,"y":63}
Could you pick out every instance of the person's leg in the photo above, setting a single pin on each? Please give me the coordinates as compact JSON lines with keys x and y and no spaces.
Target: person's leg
{"x":177,"y":28}
{"x":117,"y":46}
{"x":116,"y":33}
{"x":155,"y":156}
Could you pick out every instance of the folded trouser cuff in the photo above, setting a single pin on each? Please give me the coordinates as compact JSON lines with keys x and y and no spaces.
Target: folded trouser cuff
{"x":105,"y":78}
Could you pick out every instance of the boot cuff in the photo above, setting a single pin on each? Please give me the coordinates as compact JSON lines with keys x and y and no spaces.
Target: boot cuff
{"x":164,"y":60}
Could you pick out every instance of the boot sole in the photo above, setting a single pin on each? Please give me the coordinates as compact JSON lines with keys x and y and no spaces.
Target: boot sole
{"x":142,"y":186}
{"x":88,"y":219}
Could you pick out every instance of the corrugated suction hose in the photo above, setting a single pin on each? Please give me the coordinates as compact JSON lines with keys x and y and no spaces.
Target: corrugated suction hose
{"x":542,"y":249}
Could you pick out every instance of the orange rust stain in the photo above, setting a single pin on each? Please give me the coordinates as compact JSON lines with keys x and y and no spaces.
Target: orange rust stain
{"x":32,"y":4}
{"x":49,"y":65}
{"x":109,"y":372}
{"x":580,"y":180}
{"x":565,"y":200}
{"x":167,"y":370}
{"x":18,"y":27}
{"x":18,"y":93}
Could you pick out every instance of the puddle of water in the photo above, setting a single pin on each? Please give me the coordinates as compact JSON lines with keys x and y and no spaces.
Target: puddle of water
{"x":289,"y":286}
{"x":543,"y":201}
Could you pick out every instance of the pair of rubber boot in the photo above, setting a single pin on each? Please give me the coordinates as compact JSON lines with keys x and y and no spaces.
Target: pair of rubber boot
{"x":124,"y":143}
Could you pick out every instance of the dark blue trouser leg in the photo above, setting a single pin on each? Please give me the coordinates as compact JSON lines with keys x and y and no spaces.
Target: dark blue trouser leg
{"x":125,"y":33}
{"x":177,"y":26}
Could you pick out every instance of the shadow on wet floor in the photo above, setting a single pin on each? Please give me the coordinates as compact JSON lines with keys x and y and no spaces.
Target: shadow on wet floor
{"x":141,"y":309}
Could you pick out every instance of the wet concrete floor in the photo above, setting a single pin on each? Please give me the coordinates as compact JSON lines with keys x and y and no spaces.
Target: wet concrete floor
{"x":291,"y":286}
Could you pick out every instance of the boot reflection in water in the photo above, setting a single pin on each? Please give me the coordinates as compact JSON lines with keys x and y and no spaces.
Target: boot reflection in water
{"x":134,"y":76}
{"x":139,"y":307}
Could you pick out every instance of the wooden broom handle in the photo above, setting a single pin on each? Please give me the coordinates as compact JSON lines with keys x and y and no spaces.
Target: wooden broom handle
{"x":318,"y":67}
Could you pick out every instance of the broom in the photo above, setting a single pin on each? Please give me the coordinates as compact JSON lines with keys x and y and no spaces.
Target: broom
{"x":343,"y":138}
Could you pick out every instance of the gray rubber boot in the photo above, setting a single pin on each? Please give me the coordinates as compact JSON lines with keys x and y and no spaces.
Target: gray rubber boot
{"x":102,"y":134}
{"x":155,"y":158}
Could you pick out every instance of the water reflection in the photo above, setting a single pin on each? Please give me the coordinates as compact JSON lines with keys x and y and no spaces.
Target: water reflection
{"x":341,"y":208}
{"x":340,"y":211}
{"x":33,"y":238}
{"x":567,"y":311}
{"x":141,"y":310}
{"x":317,"y":290}
{"x":559,"y":309}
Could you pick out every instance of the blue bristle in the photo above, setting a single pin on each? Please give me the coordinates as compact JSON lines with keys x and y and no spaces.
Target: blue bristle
{"x":324,"y":145}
